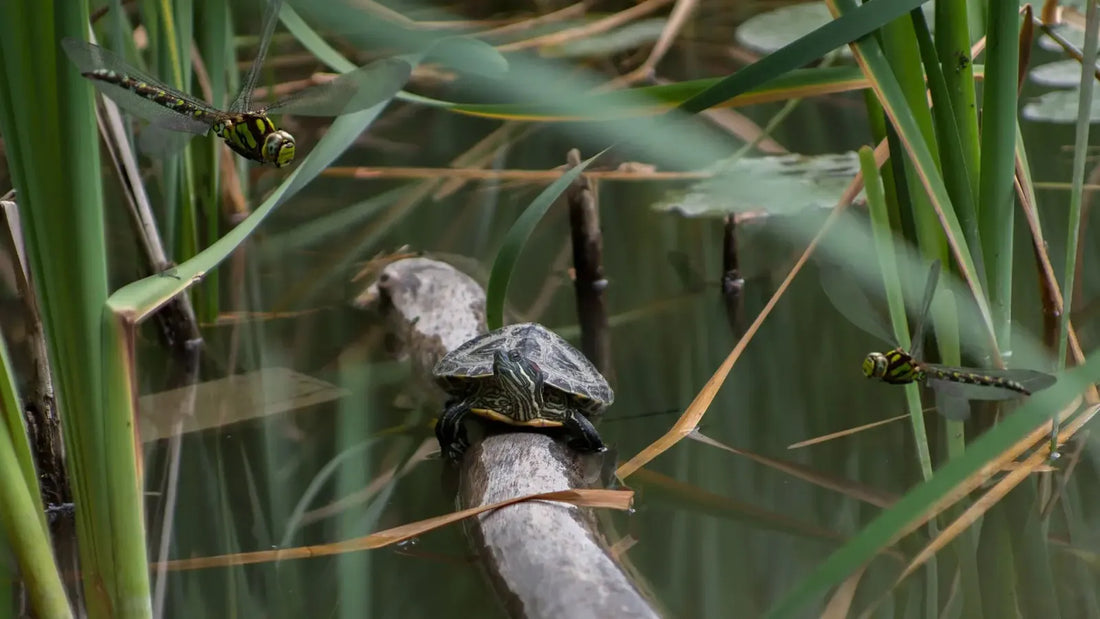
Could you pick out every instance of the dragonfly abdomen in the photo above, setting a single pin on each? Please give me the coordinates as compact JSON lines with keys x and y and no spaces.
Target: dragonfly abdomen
{"x":970,"y":378}
{"x":148,"y":91}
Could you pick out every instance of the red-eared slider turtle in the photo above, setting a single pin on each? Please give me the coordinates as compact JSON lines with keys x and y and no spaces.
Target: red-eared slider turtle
{"x":523,"y":375}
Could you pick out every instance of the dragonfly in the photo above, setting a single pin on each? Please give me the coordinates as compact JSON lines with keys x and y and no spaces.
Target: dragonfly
{"x":953,"y":386}
{"x":245,"y":127}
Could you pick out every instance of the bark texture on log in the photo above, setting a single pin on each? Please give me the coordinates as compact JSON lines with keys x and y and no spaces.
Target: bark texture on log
{"x":429,"y":307}
{"x":543,"y":558}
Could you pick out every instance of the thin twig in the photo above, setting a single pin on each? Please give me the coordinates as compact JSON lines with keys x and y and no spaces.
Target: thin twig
{"x":597,"y":27}
{"x":550,"y":175}
{"x":573,"y":10}
{"x":676,"y":20}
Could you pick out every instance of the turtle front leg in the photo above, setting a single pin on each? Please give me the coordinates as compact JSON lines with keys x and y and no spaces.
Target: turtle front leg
{"x":583,"y":435}
{"x":450,"y":431}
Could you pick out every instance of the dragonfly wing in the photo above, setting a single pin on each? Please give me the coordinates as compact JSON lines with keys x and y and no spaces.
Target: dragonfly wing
{"x":1032,"y":380}
{"x":89,"y":57}
{"x":152,"y":112}
{"x":351,"y":92}
{"x":243,"y":101}
{"x":951,"y":406}
{"x":852,"y":302}
{"x":926,"y":304}
{"x":157,"y":141}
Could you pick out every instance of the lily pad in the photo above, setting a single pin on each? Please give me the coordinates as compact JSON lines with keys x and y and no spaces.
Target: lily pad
{"x":766,"y":32}
{"x":1058,"y":74}
{"x":1059,"y":106}
{"x":777,"y":185}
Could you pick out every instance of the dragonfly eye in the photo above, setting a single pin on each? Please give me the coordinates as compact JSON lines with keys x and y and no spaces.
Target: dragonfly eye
{"x":279,"y":148}
{"x":874,"y":365}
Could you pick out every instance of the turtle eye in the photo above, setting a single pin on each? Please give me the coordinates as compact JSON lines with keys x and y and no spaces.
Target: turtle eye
{"x":514,"y":355}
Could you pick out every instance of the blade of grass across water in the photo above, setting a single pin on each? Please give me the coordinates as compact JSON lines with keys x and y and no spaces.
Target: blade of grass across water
{"x":772,"y":75}
{"x":853,"y":25}
{"x":657,"y":99}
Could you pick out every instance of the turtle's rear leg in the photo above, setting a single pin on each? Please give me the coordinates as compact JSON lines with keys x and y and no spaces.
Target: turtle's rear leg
{"x":583,"y":435}
{"x":450,"y":431}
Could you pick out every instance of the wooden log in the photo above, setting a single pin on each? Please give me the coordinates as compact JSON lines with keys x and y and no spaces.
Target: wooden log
{"x":543,"y":558}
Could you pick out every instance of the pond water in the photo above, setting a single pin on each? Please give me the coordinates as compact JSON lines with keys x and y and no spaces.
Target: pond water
{"x":715,"y":532}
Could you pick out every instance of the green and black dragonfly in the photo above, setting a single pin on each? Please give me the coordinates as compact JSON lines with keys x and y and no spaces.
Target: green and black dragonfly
{"x":246,"y":128}
{"x":953,"y":386}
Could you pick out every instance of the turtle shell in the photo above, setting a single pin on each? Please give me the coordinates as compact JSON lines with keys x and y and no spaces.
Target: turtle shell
{"x":564,"y":367}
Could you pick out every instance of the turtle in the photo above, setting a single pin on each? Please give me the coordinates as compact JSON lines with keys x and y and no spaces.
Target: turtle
{"x":523,"y":375}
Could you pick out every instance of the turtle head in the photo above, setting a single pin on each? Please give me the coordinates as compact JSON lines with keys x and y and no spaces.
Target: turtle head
{"x":278,"y":148}
{"x":518,"y":375}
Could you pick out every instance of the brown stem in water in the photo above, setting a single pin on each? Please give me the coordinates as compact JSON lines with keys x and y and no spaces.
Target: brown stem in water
{"x":589,"y":282}
{"x":732,"y":282}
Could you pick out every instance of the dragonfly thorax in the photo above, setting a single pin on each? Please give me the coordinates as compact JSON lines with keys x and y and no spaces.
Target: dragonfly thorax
{"x":896,"y":367}
{"x":255,"y":137}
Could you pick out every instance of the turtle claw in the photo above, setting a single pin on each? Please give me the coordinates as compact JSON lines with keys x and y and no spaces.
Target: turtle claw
{"x":450,"y":432}
{"x":584,"y":435}
{"x":456,"y":450}
{"x":586,"y":447}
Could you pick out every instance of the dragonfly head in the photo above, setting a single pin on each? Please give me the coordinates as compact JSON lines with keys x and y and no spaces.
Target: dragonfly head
{"x":874,"y":365}
{"x":279,"y":148}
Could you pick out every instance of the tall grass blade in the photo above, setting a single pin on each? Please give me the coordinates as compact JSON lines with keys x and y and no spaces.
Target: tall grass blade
{"x":21,"y":511}
{"x":46,"y":117}
{"x":997,"y":202}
